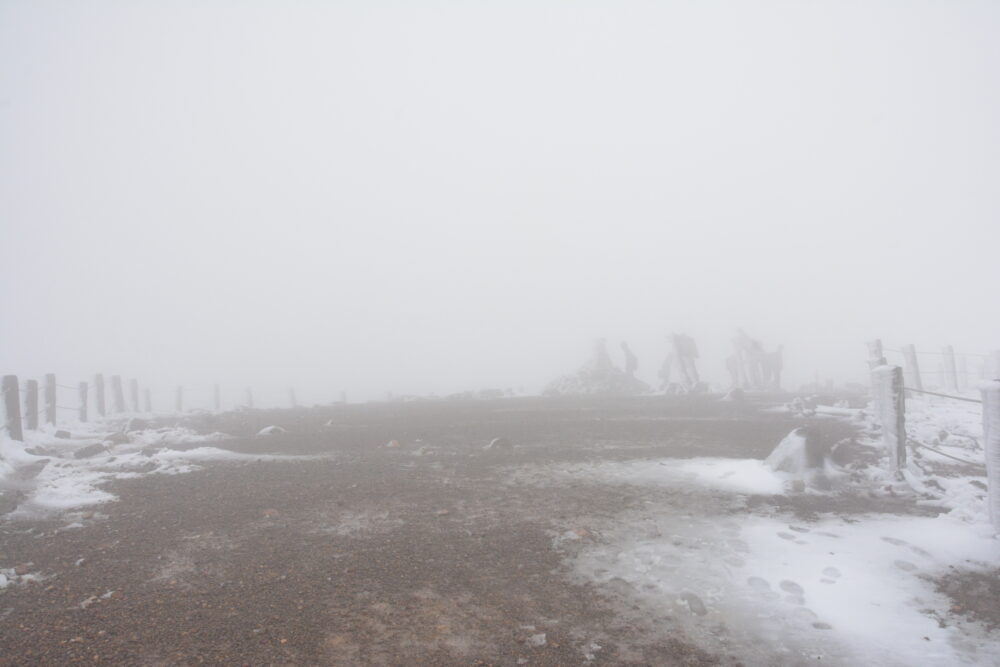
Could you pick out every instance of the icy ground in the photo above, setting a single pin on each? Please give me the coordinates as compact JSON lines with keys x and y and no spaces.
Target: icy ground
{"x":47,"y":474}
{"x":713,"y":555}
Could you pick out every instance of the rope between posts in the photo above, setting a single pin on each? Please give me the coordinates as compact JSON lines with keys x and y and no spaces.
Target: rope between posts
{"x":938,"y":451}
{"x":934,"y":393}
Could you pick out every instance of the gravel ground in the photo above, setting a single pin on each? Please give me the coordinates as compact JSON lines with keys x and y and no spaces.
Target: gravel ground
{"x":421,"y":554}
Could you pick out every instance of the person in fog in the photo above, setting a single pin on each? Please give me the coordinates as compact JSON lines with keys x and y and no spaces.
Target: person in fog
{"x":600,"y":364}
{"x":631,"y":363}
{"x":682,"y":356}
{"x":735,"y":368}
{"x":750,"y":354}
{"x":772,"y":368}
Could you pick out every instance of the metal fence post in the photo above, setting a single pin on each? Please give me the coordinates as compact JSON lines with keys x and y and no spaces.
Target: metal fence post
{"x":99,"y":394}
{"x":117,"y":395}
{"x":31,"y":405}
{"x":891,"y":406}
{"x":83,"y":401}
{"x":912,"y":368}
{"x":50,"y":398}
{"x":950,"y":370}
{"x":990,"y":391}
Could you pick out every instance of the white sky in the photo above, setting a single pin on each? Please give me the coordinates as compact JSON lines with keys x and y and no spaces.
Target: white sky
{"x":372,"y":196}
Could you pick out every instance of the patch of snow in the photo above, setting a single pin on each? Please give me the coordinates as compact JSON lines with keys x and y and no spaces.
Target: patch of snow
{"x":59,"y":481}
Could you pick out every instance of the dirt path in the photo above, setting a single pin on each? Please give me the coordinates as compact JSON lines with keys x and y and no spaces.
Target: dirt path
{"x":363,"y":554}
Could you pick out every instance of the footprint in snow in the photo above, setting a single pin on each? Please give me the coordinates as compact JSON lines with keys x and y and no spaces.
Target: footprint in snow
{"x":798,"y":529}
{"x":791,"y":587}
{"x":786,"y":536}
{"x":896,"y":541}
{"x":905,"y":565}
{"x":831,"y":572}
{"x":695,"y":604}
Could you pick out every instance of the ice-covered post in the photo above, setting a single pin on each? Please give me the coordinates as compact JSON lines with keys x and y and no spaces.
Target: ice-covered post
{"x":991,"y":438}
{"x":99,"y":394}
{"x":117,"y":395}
{"x":875,"y":356}
{"x":31,"y":405}
{"x":993,"y":366}
{"x":950,"y":371}
{"x":147,"y":400}
{"x":913,"y":380}
{"x":216,"y":398}
{"x":875,"y":359}
{"x":179,"y":402}
{"x":133,"y":394}
{"x":891,"y":404}
{"x":963,"y":373}
{"x":50,"y":398}
{"x":12,"y":407}
{"x":291,"y":397}
{"x":83,"y":401}
{"x":249,"y":398}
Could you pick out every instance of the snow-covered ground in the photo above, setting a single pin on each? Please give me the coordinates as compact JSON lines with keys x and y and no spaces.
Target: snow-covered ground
{"x":751,"y":580}
{"x":46,"y":474}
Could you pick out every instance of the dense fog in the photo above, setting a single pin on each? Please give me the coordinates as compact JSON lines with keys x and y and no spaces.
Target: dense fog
{"x":391,"y":198}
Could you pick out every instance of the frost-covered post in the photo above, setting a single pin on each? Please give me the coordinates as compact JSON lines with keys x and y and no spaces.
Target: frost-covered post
{"x":991,"y":440}
{"x":875,"y":356}
{"x":50,"y":398}
{"x":963,"y":373}
{"x":912,"y":368}
{"x":117,"y":395}
{"x":249,"y":398}
{"x":147,"y":400}
{"x":992,"y":366}
{"x":12,"y":407}
{"x":99,"y":394}
{"x":83,"y":401}
{"x":179,"y":399}
{"x":291,"y":397}
{"x":31,"y":405}
{"x":891,"y":406}
{"x":950,"y":371}
{"x":217,"y":398}
{"x":133,"y":394}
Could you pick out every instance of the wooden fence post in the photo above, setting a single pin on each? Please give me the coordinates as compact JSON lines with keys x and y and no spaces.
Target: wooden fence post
{"x":950,"y":371}
{"x":12,"y":407}
{"x":249,"y":398}
{"x":83,"y":401}
{"x":990,"y":391}
{"x":31,"y":405}
{"x":117,"y":395}
{"x":133,"y":394}
{"x":891,"y":406}
{"x":217,"y":398}
{"x":147,"y":400}
{"x":99,"y":394}
{"x":179,"y":402}
{"x":50,"y":398}
{"x":913,"y":380}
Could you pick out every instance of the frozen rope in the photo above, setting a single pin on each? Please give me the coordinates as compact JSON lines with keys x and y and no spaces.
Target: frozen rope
{"x":934,"y":393}
{"x":938,"y":451}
